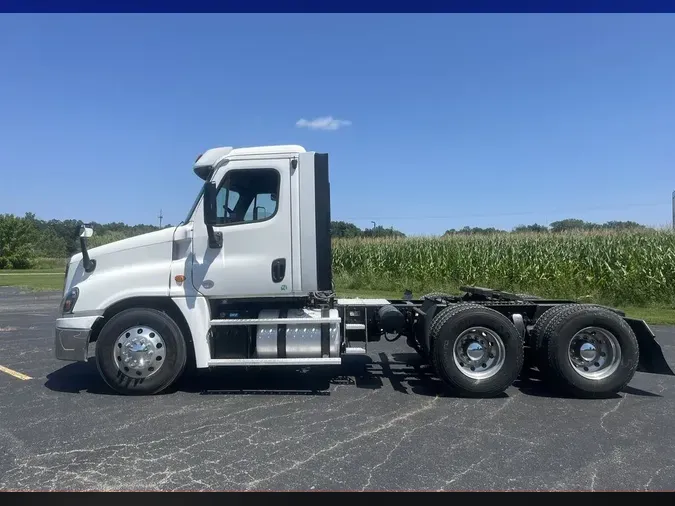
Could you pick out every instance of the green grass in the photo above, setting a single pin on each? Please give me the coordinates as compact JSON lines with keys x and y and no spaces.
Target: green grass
{"x":50,"y":264}
{"x":33,"y":279}
{"x":55,"y":270}
{"x":652,"y":314}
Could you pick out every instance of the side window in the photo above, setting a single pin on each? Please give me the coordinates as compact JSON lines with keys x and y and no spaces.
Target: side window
{"x":225,"y":199}
{"x":248,"y":195}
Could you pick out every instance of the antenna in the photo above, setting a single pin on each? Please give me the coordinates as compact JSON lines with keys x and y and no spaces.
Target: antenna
{"x":160,"y":218}
{"x":673,"y":209}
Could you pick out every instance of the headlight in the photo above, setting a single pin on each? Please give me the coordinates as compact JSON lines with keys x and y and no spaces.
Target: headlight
{"x":70,"y":300}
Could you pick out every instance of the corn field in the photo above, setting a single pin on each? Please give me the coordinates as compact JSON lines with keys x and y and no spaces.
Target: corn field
{"x":610,"y":267}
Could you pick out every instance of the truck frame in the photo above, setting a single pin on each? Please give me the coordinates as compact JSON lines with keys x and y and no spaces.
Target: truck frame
{"x":246,"y":280}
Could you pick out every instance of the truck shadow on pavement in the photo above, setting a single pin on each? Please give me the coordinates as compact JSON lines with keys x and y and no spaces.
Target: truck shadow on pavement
{"x":405,"y":373}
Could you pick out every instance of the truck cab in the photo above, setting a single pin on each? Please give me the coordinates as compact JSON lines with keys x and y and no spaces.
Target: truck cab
{"x":246,"y":280}
{"x":262,"y":225}
{"x":255,"y":242}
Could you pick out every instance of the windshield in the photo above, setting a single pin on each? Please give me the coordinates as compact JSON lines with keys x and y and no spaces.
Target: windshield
{"x":194,"y":205}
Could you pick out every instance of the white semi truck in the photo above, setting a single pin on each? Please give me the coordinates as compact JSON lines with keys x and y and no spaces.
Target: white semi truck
{"x":246,"y":280}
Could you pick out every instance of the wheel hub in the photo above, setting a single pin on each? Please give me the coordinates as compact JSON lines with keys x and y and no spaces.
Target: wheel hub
{"x":588,"y":352}
{"x":479,"y":352}
{"x":139,"y":352}
{"x":475,"y":351}
{"x":594,"y":353}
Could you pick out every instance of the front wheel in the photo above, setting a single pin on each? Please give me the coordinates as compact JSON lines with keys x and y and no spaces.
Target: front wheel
{"x":477,"y":351}
{"x":140,"y":351}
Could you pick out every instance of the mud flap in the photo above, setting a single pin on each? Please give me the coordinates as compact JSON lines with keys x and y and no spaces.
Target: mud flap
{"x":651,"y":355}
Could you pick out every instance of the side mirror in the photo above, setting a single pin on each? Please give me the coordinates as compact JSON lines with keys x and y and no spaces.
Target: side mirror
{"x":210,"y":214}
{"x":259,"y":213}
{"x":86,"y":231}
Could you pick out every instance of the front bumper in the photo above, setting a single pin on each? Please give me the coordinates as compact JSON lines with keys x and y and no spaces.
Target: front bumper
{"x":71,"y":337}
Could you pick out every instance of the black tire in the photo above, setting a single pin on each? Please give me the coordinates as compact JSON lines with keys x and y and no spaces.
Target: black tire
{"x":446,"y":329}
{"x":173,"y":363}
{"x":557,"y":337}
{"x":438,"y":296}
{"x":538,"y":354}
{"x":537,"y":340}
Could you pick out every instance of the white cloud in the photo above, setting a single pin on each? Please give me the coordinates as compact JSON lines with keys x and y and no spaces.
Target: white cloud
{"x":323,"y":123}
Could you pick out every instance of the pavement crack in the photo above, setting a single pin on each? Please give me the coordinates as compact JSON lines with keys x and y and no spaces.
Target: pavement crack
{"x":296,"y":464}
{"x":593,"y":477}
{"x":456,"y":476}
{"x":613,"y":410}
{"x":405,"y":435}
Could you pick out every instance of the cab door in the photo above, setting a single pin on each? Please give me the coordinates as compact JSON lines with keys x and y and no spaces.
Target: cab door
{"x":253,"y":210}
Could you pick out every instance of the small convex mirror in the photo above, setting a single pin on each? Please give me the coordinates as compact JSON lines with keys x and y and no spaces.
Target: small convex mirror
{"x":86,"y":231}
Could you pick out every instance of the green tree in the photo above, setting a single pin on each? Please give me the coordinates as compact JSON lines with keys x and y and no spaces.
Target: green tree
{"x":570,"y":224}
{"x":473,"y":231}
{"x":535,"y":228}
{"x":49,"y":244}
{"x":380,"y":231}
{"x":108,"y":237}
{"x":344,"y":229}
{"x":17,"y":240}
{"x":622,"y":225}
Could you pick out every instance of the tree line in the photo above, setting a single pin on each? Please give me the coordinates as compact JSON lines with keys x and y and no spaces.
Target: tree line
{"x":24,"y":240}
{"x":346,"y":229}
{"x":567,"y":225}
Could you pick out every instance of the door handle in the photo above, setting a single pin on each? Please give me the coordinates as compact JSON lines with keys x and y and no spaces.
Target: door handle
{"x":278,"y":270}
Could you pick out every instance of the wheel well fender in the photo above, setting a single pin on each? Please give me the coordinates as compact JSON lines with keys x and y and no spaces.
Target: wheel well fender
{"x":651,"y":355}
{"x":164,"y":304}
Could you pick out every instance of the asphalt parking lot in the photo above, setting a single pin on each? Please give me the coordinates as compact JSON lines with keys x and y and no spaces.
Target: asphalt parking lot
{"x":379,"y":423}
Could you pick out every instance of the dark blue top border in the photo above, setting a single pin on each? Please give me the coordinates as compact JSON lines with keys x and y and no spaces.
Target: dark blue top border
{"x":357,"y":6}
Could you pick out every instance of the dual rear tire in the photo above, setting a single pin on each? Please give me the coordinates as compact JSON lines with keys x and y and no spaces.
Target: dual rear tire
{"x":585,"y":350}
{"x":581,"y":350}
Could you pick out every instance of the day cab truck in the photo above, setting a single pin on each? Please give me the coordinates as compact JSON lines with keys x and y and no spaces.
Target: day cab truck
{"x":246,"y":281}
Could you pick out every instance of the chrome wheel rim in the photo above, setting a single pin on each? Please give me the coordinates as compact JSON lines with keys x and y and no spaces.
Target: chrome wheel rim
{"x":139,"y":352}
{"x":594,"y":353}
{"x":479,"y":353}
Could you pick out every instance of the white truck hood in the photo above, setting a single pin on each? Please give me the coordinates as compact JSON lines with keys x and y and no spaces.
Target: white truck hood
{"x":133,"y":267}
{"x":138,"y":241}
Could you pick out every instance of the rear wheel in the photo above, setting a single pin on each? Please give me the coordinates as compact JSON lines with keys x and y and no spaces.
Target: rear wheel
{"x":538,"y":349}
{"x":536,"y":354}
{"x":412,"y":340}
{"x":476,"y":351}
{"x":140,"y":351}
{"x":590,"y":351}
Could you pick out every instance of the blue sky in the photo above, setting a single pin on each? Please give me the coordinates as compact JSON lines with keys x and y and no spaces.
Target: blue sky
{"x":450,"y":120}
